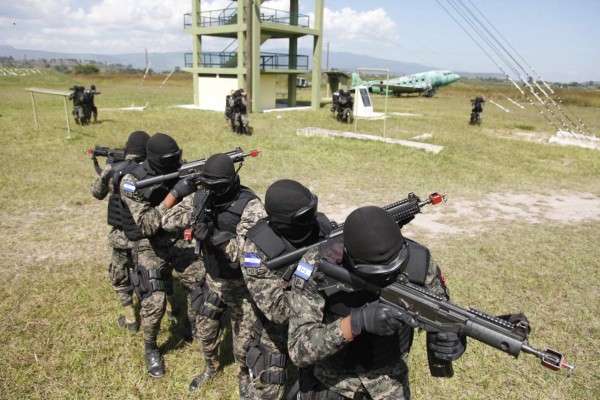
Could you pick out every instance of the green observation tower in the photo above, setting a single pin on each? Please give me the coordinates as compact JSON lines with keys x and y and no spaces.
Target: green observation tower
{"x":242,"y":31}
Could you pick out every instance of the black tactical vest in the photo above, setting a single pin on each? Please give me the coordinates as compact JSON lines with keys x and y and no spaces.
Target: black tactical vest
{"x":273,"y":245}
{"x":153,"y":194}
{"x":114,"y":201}
{"x":217,"y":264}
{"x":370,"y":351}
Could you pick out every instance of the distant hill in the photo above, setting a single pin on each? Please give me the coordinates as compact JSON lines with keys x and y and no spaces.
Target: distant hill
{"x":161,"y":62}
{"x":351,"y":62}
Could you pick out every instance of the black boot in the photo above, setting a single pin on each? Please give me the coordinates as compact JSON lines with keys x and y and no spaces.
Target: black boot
{"x":244,"y":383}
{"x":193,"y":330}
{"x":154,"y":361}
{"x":210,"y":371}
{"x":132,"y":327}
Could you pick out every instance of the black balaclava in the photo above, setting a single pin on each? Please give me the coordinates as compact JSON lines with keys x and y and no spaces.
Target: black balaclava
{"x":284,"y":198}
{"x":219,"y":176}
{"x":163,"y":154}
{"x":374,"y":246}
{"x":136,"y":144}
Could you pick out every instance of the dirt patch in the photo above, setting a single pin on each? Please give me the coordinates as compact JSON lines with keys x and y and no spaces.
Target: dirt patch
{"x":461,"y":216}
{"x":516,"y":134}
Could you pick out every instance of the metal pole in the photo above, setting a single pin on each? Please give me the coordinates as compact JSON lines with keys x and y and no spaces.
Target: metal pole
{"x":385,"y":111}
{"x":34,"y":113}
{"x":249,"y":54}
{"x":67,"y":118}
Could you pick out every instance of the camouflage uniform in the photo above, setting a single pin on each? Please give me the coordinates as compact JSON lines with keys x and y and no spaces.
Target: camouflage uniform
{"x":231,"y":292}
{"x":121,"y":258}
{"x":268,"y":354}
{"x":315,"y":337}
{"x":271,"y":307}
{"x":160,"y":251}
{"x":177,"y":219}
{"x":240,"y":114}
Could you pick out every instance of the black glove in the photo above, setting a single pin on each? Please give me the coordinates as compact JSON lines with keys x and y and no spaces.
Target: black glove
{"x":183,"y":188}
{"x":201,"y":230}
{"x":520,"y":322}
{"x":378,"y":319}
{"x":447,"y":346}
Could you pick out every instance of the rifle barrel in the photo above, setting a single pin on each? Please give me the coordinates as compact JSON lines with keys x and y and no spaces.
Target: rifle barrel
{"x":192,"y":167}
{"x":400,"y":210}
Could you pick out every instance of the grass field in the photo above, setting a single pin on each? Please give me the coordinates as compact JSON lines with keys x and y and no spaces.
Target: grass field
{"x":58,"y":334}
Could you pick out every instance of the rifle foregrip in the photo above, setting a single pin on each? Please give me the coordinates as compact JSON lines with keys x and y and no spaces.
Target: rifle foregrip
{"x":507,"y":344}
{"x":406,"y":213}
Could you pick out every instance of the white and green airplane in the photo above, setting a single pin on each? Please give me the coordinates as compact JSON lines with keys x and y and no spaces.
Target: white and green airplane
{"x":426,"y":83}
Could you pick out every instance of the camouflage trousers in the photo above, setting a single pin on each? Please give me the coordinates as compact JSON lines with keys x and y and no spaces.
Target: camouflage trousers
{"x":121,"y":260}
{"x":235,"y":296}
{"x":241,"y":119}
{"x":118,"y":274}
{"x":388,"y":382}
{"x":190,"y":271}
{"x":272,"y":339}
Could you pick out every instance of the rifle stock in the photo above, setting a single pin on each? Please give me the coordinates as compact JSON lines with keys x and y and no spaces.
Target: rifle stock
{"x":112,"y":155}
{"x":99,"y":151}
{"x":193,"y":168}
{"x":434,"y":313}
{"x":402,"y":210}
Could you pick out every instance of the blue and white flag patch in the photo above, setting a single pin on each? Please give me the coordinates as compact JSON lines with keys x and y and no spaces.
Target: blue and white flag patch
{"x":251,"y":260}
{"x":304,"y":270}
{"x":129,"y":187}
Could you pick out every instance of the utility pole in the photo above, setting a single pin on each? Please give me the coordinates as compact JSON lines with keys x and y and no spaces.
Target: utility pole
{"x":146,"y":52}
{"x":327,"y":63}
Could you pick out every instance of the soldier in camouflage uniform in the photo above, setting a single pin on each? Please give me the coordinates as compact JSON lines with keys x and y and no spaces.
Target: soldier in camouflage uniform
{"x":359,"y":346}
{"x":155,"y":251}
{"x":239,"y":111}
{"x":224,"y":210}
{"x":180,"y":202}
{"x":121,"y":260}
{"x":292,"y":223}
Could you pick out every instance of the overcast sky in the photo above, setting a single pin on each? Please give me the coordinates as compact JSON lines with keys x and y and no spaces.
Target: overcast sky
{"x":558,"y":38}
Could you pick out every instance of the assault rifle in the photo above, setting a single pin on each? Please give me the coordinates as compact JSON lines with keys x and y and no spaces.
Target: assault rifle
{"x":434,"y":313}
{"x":193,"y":168}
{"x":112,"y":155}
{"x":403,"y":212}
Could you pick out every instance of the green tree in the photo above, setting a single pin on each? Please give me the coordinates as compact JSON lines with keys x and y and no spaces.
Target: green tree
{"x":85,"y":69}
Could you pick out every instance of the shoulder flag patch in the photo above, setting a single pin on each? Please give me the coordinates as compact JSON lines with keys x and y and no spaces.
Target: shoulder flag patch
{"x":304,"y":270}
{"x":251,"y":260}
{"x":129,"y":187}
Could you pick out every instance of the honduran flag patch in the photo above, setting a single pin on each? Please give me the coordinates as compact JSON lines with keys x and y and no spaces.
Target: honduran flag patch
{"x":304,"y":270}
{"x":251,"y":260}
{"x":129,"y":186}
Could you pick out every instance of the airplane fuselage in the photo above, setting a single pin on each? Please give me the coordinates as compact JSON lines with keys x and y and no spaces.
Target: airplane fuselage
{"x":426,"y":83}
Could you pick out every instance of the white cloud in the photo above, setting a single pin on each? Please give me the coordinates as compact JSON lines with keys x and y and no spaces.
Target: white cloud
{"x":117,"y":26}
{"x":346,"y":28}
{"x":109,"y":26}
